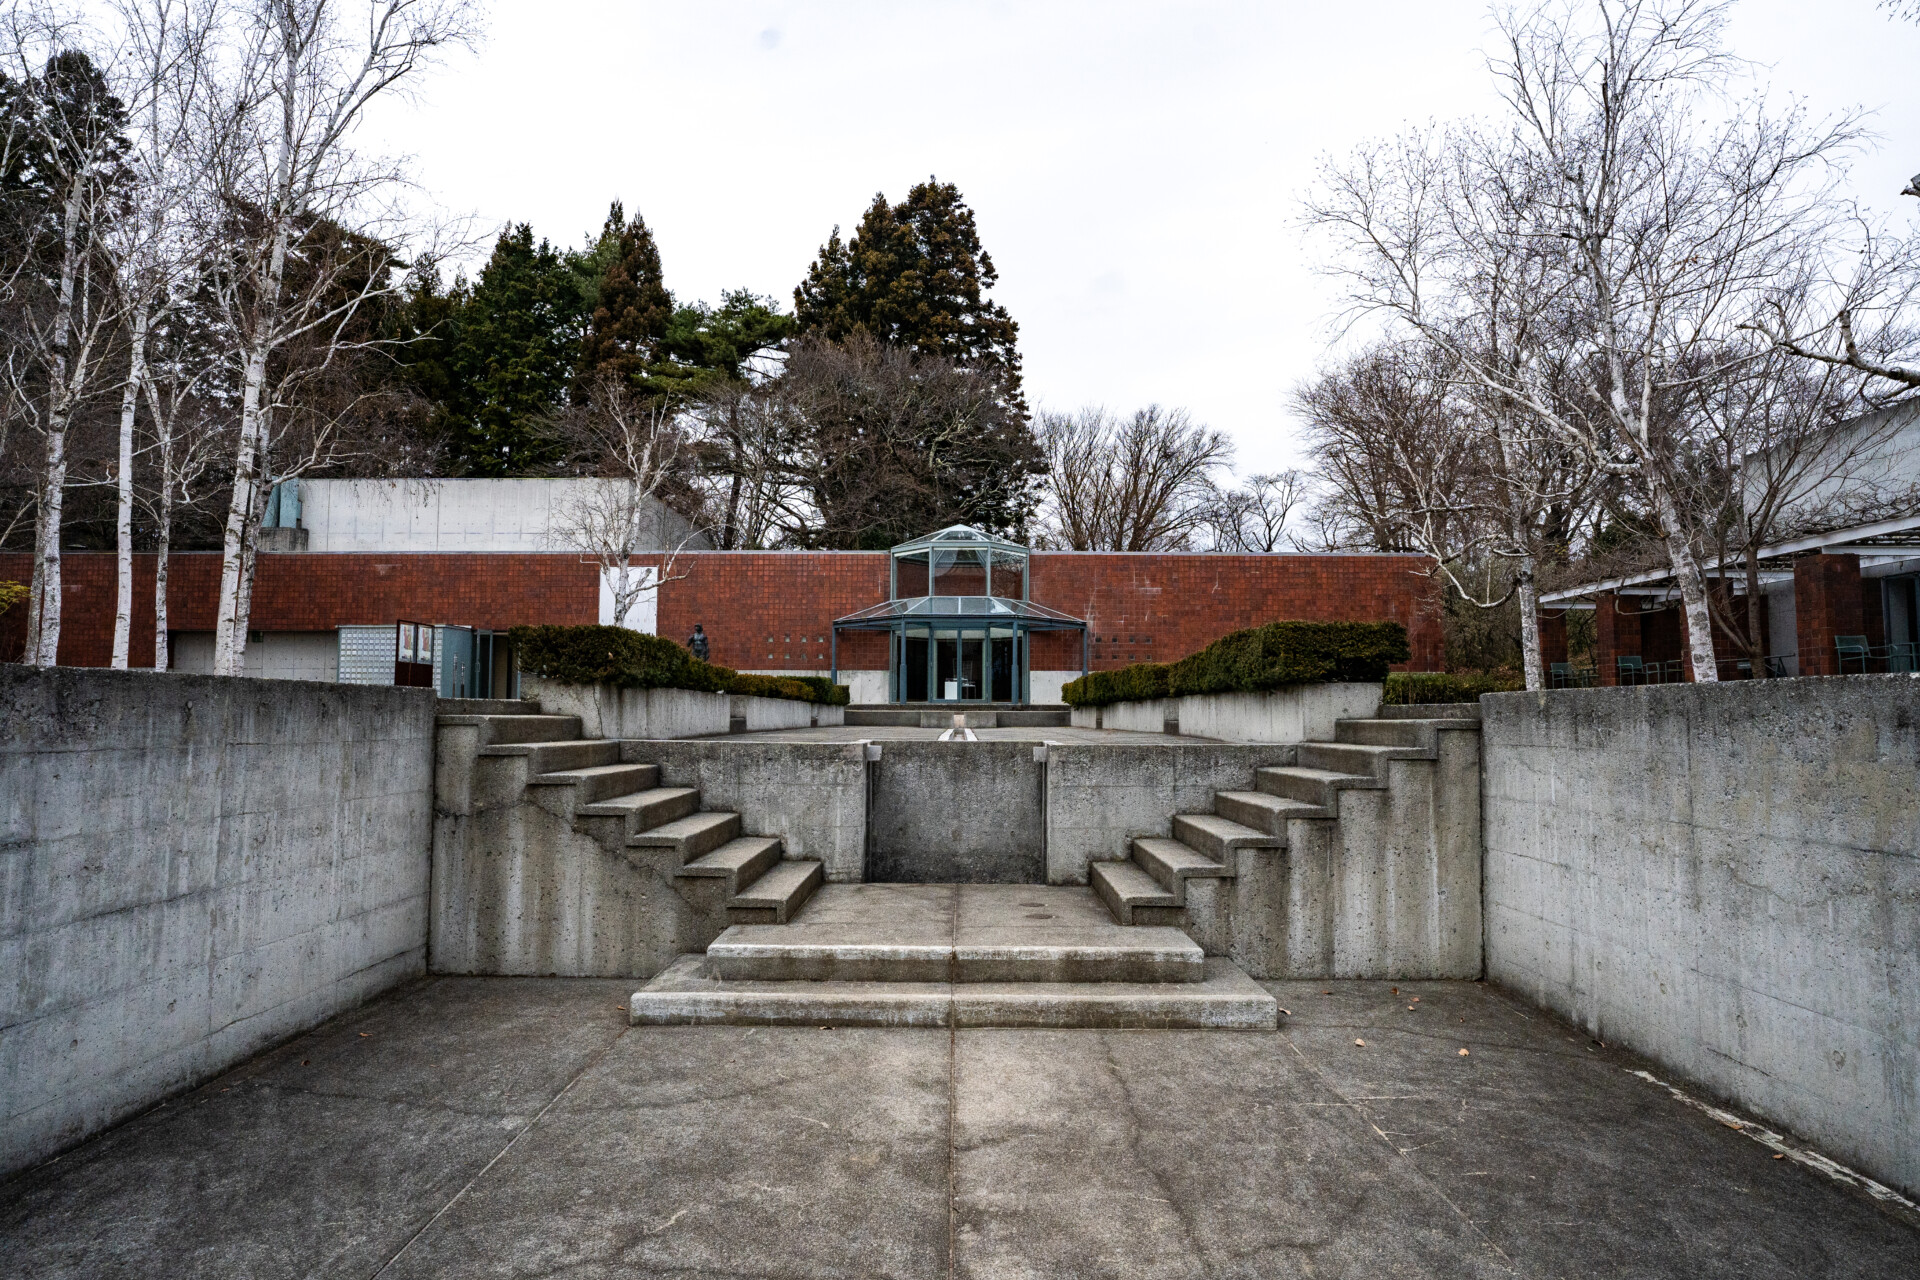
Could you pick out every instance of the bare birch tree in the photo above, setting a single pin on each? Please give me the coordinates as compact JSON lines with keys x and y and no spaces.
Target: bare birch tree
{"x":1254,"y":518}
{"x":290,"y":186}
{"x":67,"y":147}
{"x":155,"y":246}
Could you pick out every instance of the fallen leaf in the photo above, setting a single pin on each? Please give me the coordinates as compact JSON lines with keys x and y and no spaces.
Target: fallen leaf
{"x":1288,"y":1012}
{"x":1361,"y":1043}
{"x":305,"y":1061}
{"x":1409,"y":1008}
{"x":1463,"y":1053}
{"x":1396,"y":990}
{"x":366,"y":1035}
{"x":1779,"y":1157}
{"x":1416,"y":999}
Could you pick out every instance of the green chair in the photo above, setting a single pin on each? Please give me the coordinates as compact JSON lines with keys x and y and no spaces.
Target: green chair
{"x":1631,"y":670}
{"x":1560,"y":675}
{"x":1853,"y":649}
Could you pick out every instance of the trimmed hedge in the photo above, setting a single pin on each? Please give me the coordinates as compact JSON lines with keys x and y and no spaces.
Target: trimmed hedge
{"x":630,"y":660}
{"x":1253,"y":661}
{"x":1417,"y":688}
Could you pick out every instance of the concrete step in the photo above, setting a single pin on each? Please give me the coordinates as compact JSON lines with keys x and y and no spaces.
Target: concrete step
{"x":592,"y":785}
{"x":1225,"y":999}
{"x":841,"y":952}
{"x":1218,"y":837}
{"x":1128,"y":891}
{"x":1171,"y":863}
{"x":503,"y":730}
{"x":564,"y":757}
{"x":740,"y":861}
{"x":1314,"y":786}
{"x":489,"y":707}
{"x":647,"y":809}
{"x":693,"y":836}
{"x":776,"y":896}
{"x":1264,"y":812}
{"x":1384,"y":733}
{"x":1353,"y":757}
{"x":1432,"y":711}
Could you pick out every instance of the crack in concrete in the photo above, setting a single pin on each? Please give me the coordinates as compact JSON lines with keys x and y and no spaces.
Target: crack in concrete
{"x":500,"y":1155}
{"x":1361,"y":1112}
{"x":1134,"y":1128}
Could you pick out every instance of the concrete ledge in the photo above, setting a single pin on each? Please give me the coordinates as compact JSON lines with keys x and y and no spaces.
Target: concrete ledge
{"x":1300,"y":713}
{"x":609,"y":712}
{"x":1226,"y":1000}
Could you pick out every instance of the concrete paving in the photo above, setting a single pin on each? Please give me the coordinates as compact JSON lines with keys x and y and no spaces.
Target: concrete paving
{"x":496,"y":1127}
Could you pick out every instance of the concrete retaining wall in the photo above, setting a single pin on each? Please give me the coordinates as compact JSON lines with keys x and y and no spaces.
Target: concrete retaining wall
{"x":956,"y":812}
{"x":193,"y":869}
{"x":1725,"y":878}
{"x":608,"y":712}
{"x":1302,"y":713}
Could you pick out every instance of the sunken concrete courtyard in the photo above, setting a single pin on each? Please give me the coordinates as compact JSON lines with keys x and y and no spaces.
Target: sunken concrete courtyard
{"x":322,"y":980}
{"x":520,"y":1127}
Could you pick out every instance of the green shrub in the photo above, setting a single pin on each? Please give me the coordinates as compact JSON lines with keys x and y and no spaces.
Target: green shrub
{"x":630,"y":660}
{"x":1409,"y":688}
{"x":1253,"y":661}
{"x":616,"y":656}
{"x":772,"y":687}
{"x":826,"y":692}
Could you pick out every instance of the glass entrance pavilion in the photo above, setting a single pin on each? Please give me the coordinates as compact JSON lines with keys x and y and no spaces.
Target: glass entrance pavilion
{"x":959,"y":620}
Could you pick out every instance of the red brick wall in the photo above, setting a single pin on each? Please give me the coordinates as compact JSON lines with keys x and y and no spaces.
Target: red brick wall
{"x":307,"y":593}
{"x":760,"y":609}
{"x":1827,"y":598}
{"x":1141,"y":607}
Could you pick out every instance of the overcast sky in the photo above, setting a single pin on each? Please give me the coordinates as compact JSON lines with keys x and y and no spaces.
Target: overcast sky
{"x":1135,"y":169}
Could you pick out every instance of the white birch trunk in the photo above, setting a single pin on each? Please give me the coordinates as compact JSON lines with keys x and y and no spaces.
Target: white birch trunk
{"x":1530,"y":656}
{"x":1693,"y":587}
{"x":228,"y":648}
{"x":123,"y":544}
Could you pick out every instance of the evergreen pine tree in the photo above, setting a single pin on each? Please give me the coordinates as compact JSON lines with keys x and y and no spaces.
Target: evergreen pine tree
{"x":633,"y":310}
{"x":499,"y":354}
{"x":914,"y":275}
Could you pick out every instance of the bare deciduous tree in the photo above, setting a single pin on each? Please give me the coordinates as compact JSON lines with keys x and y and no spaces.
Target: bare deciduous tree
{"x":1647,"y":238}
{"x":638,"y":462}
{"x":291,"y":274}
{"x":66,"y":142}
{"x":1140,"y":483}
{"x":1254,"y":518}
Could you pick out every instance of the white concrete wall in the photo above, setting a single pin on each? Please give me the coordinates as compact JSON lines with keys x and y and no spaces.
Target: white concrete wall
{"x":1300,"y":713}
{"x":1726,"y":878}
{"x":276,"y":655}
{"x":192,"y":868}
{"x":447,"y":515}
{"x":609,"y":712}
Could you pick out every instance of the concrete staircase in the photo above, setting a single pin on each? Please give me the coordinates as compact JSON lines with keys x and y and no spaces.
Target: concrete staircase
{"x":557,"y":816}
{"x":955,"y":955}
{"x":1357,"y":859}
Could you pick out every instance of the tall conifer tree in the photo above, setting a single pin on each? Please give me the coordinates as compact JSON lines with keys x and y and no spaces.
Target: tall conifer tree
{"x":914,"y":275}
{"x":631,"y":319}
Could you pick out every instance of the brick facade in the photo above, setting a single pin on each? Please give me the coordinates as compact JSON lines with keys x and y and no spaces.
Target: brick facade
{"x":307,"y":593}
{"x":775,"y":609}
{"x":762,"y":610}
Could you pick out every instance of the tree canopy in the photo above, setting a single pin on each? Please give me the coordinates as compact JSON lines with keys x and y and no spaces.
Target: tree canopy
{"x":914,"y":276}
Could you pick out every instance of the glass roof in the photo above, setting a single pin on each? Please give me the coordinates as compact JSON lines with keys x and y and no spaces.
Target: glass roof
{"x":954,"y":608}
{"x":956,"y":537}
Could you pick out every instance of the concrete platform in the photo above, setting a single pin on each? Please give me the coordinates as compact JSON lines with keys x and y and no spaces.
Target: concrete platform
{"x":519,"y":1128}
{"x":1222,"y":999}
{"x":962,"y":933}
